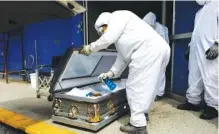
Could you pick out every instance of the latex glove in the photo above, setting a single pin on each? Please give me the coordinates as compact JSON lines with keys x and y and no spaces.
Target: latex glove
{"x":104,"y":76}
{"x":86,"y":50}
{"x":212,"y":52}
{"x":187,"y":54}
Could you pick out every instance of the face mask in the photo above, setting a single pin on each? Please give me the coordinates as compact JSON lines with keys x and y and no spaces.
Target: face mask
{"x":201,"y":2}
{"x":101,"y":31}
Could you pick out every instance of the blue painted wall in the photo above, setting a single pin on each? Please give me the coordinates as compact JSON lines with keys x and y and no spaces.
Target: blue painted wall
{"x":185,"y":15}
{"x":14,"y":53}
{"x":180,"y":75}
{"x":52,"y":37}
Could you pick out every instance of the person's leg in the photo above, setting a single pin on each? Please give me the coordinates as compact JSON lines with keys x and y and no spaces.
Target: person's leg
{"x":142,"y":84}
{"x":161,"y":89}
{"x":147,"y":117}
{"x":209,"y":70}
{"x":162,"y":81}
{"x":196,"y":87}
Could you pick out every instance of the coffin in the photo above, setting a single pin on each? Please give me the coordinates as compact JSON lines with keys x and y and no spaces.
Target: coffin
{"x":75,"y":78}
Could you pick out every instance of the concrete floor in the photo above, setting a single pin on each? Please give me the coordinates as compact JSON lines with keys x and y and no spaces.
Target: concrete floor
{"x":164,"y":117}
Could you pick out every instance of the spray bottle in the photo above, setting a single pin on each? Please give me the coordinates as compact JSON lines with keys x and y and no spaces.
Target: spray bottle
{"x":111,"y":85}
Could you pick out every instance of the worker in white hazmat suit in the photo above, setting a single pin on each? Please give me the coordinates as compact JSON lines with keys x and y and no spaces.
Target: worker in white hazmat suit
{"x":203,"y":61}
{"x":162,"y":30}
{"x":143,"y":50}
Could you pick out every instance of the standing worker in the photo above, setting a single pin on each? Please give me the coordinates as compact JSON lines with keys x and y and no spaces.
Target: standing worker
{"x":203,"y":61}
{"x":143,"y":50}
{"x":162,"y":30}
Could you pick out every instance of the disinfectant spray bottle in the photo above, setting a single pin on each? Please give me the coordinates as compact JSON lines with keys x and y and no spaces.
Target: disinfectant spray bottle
{"x":111,"y":85}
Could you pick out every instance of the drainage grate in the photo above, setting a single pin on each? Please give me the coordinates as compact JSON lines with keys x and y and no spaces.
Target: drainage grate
{"x":5,"y":129}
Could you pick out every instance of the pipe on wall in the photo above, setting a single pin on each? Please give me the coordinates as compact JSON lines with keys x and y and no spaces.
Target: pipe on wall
{"x":173,"y":33}
{"x":164,"y":5}
{"x":85,"y":22}
{"x":84,"y":41}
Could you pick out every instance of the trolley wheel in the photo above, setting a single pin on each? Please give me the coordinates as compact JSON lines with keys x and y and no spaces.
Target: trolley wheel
{"x":50,"y":98}
{"x":38,"y":96}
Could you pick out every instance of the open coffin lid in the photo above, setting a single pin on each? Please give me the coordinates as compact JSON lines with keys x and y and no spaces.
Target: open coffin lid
{"x":77,"y":75}
{"x":15,"y":14}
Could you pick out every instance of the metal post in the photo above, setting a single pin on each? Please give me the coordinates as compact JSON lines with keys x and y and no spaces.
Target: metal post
{"x":22,"y":53}
{"x":5,"y":56}
{"x":86,"y":21}
{"x":36,"y":69}
{"x":173,"y":48}
{"x":35,"y":45}
{"x":164,"y":12}
{"x":84,"y":24}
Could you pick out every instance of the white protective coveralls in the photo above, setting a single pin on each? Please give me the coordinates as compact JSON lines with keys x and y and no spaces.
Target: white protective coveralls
{"x":162,"y":30}
{"x":140,"y":47}
{"x":203,"y":73}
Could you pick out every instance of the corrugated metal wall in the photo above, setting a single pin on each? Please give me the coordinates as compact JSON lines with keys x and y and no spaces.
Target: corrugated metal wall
{"x":52,"y":37}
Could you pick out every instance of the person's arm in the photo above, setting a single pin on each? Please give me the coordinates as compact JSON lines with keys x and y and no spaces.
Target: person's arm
{"x":116,"y":70}
{"x":115,"y":28}
{"x":162,"y":34}
{"x":212,"y":52}
{"x":166,"y":35}
{"x":217,"y":29}
{"x":119,"y":65}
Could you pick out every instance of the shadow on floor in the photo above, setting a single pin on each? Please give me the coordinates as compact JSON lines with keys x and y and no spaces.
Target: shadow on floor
{"x":38,"y":109}
{"x":195,"y":114}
